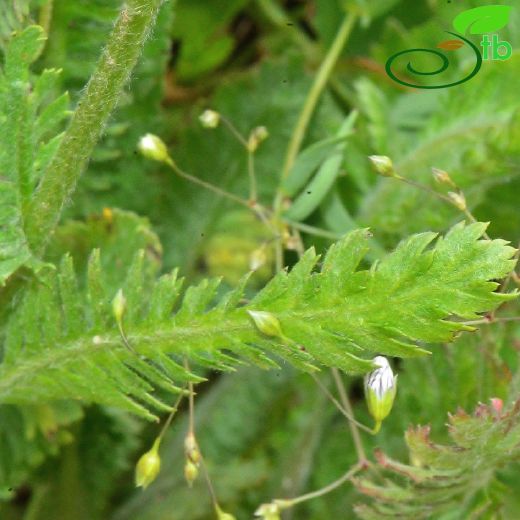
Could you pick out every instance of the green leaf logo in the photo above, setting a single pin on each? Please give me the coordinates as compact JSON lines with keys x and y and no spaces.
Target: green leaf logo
{"x":480,"y":20}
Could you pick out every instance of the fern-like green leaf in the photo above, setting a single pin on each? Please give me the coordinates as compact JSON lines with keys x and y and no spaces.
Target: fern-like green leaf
{"x":28,"y":141}
{"x":338,"y":316}
{"x":447,"y":478}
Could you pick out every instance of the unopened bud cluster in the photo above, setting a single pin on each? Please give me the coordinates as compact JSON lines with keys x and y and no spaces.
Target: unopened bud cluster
{"x":192,"y":452}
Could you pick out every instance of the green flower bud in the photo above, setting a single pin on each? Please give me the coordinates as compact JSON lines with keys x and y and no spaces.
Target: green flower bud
{"x":269,"y":511}
{"x":458,"y":200}
{"x":209,"y":119}
{"x":257,"y":259}
{"x":148,"y":466}
{"x":153,"y":147}
{"x":380,"y":389}
{"x":221,"y":515}
{"x":383,"y":165}
{"x":191,"y":472}
{"x":266,"y":323}
{"x":119,"y":305}
{"x":257,"y":136}
{"x":191,"y":448}
{"x":442,"y":177}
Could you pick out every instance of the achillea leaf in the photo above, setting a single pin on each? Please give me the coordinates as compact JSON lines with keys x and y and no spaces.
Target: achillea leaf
{"x":338,"y":316}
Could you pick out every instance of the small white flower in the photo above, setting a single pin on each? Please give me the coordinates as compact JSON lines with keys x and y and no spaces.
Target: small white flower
{"x":380,"y":390}
{"x":209,"y":119}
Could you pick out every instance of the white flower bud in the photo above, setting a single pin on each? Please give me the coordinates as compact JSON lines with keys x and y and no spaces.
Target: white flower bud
{"x":153,"y":147}
{"x":209,"y":119}
{"x":380,"y":390}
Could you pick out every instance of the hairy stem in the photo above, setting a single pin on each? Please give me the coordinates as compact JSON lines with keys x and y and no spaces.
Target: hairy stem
{"x":124,"y":46}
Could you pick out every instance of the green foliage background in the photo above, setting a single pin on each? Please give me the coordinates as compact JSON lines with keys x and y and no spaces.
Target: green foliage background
{"x":74,"y":402}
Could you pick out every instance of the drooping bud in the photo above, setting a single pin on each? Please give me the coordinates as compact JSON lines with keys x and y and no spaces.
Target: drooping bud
{"x":442,"y":177}
{"x":209,"y":119}
{"x":383,"y":165}
{"x":458,"y":200}
{"x":380,"y":390}
{"x":269,"y":511}
{"x":191,"y":472}
{"x":221,"y":515}
{"x":119,"y":306}
{"x":266,"y":323}
{"x":191,"y":448}
{"x":291,"y":241}
{"x":153,"y":147}
{"x":257,"y":136}
{"x":257,"y":259}
{"x":148,"y":466}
